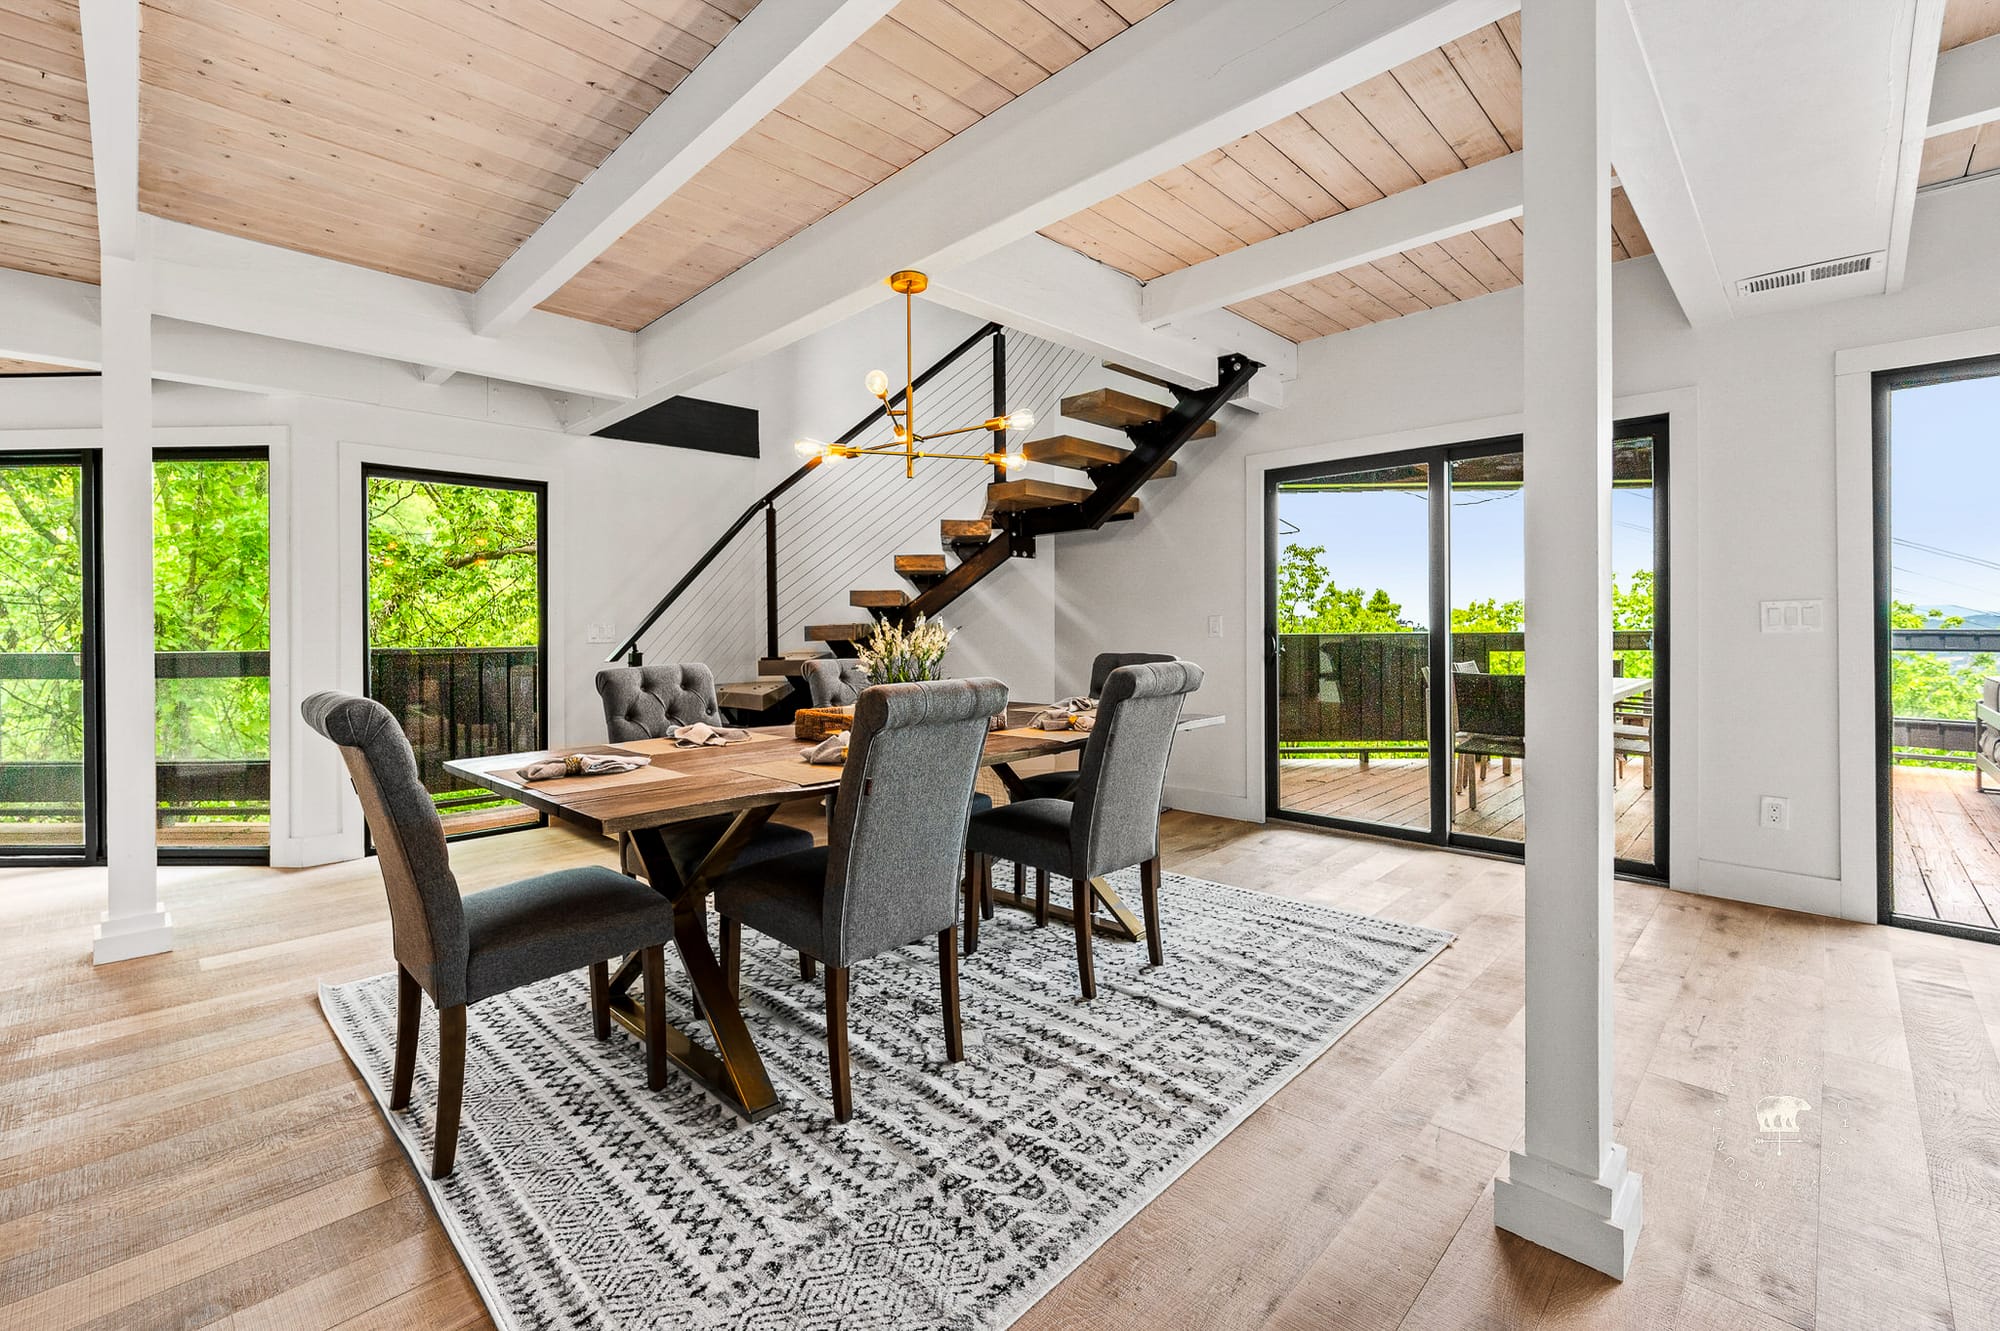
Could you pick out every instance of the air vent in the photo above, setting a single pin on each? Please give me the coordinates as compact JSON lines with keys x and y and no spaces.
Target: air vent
{"x":1807,"y":273}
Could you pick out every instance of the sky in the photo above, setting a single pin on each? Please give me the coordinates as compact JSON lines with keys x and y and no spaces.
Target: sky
{"x":1380,"y":539}
{"x":1943,"y":442}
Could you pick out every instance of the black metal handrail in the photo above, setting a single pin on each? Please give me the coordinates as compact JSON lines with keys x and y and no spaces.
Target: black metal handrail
{"x":766,"y":505}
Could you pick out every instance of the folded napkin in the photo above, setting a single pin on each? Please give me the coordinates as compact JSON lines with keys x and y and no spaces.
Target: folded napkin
{"x":703,"y":735}
{"x":829,"y":752}
{"x":582,"y":764}
{"x":1069,"y":714}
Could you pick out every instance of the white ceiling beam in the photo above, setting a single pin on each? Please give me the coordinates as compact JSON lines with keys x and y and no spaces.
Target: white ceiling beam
{"x":111,"y":84}
{"x":224,"y":281}
{"x":1965,"y":91}
{"x":1446,"y":207}
{"x":1650,"y":167}
{"x":1926,"y":30}
{"x":1051,"y":291}
{"x":767,"y":58}
{"x":1194,"y":76}
{"x":48,"y":319}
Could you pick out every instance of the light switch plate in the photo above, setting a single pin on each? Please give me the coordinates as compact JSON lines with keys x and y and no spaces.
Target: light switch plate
{"x":1215,"y":626}
{"x":1807,"y":616}
{"x":603,"y":633}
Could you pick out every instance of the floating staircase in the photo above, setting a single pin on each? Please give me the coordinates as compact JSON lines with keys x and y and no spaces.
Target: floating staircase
{"x":1105,"y":488}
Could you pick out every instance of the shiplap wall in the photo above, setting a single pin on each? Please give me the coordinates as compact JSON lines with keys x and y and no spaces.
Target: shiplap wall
{"x":841,"y":527}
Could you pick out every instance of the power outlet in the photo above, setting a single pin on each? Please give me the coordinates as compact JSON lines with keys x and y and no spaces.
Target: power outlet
{"x":1774,"y":813}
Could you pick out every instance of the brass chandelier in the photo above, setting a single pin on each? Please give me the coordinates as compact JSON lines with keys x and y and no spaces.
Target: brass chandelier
{"x":908,"y":439}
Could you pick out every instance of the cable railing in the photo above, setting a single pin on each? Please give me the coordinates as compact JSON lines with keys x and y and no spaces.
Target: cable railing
{"x":766,"y":504}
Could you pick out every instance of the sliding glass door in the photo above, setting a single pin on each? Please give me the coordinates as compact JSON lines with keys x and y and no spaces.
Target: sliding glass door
{"x":50,"y":780}
{"x":1398,"y":663}
{"x":1938,"y":649}
{"x":457,"y":646}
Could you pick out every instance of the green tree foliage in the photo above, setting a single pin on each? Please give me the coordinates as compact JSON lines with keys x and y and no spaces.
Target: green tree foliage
{"x":1934,"y":684}
{"x":211,"y":593}
{"x":452,"y":565}
{"x":1309,"y":602}
{"x":41,"y":613}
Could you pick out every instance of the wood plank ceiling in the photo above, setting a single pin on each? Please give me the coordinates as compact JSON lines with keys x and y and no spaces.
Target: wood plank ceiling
{"x":34,"y":367}
{"x":1442,"y":112}
{"x":425,"y":138}
{"x":48,"y":205}
{"x":1964,"y":152}
{"x":919,"y":76}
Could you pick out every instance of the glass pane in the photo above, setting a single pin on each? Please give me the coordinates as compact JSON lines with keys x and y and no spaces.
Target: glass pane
{"x":212,"y":639}
{"x":1353,"y":623}
{"x":455,"y":630}
{"x":1488,"y":681}
{"x":1944,"y":664}
{"x":1634,"y":719}
{"x":41,"y":656}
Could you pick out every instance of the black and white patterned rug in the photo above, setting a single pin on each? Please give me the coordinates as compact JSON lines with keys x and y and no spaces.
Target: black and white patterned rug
{"x":958,"y":1194}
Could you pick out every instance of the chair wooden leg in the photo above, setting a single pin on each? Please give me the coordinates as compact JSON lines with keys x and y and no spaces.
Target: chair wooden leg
{"x":451,"y":1088}
{"x":836,"y":1041}
{"x":986,"y":907}
{"x":694,"y":992}
{"x":653,"y":968}
{"x":1646,"y":768}
{"x":954,"y":1033}
{"x":1083,"y":908}
{"x":806,"y":967}
{"x":409,"y":1017}
{"x":732,"y":956}
{"x":1149,"y":892}
{"x":600,"y":1000}
{"x":1041,"y":897}
{"x":975,"y":884}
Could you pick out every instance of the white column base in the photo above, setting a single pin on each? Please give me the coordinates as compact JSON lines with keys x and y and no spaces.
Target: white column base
{"x":1593,"y":1221}
{"x":130,"y":936}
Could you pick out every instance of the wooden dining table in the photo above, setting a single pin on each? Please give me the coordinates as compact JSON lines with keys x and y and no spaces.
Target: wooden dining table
{"x":689,"y":813}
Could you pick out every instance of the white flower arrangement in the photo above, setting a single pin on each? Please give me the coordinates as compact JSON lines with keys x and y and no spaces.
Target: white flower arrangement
{"x":898,"y":655}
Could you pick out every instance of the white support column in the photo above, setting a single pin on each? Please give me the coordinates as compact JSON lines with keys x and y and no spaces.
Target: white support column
{"x":134,"y":925}
{"x":1569,"y":1190}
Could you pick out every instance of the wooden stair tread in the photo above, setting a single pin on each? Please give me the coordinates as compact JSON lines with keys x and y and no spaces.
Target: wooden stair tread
{"x":753,"y":695}
{"x":966,"y":529}
{"x":1016,"y":496}
{"x":1069,"y":450}
{"x":887,"y":599}
{"x":1120,"y":411}
{"x":839,"y":632}
{"x":919,"y":565}
{"x":1131,"y":373}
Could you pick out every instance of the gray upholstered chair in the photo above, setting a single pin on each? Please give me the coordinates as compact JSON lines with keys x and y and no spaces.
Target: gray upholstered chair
{"x":1058,"y":785}
{"x":1112,"y":822}
{"x":651,"y":702}
{"x":461,"y":950}
{"x":889,"y":874}
{"x":835,"y":681}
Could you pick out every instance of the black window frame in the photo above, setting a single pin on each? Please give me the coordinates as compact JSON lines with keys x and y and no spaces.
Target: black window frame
{"x":1438,"y":459}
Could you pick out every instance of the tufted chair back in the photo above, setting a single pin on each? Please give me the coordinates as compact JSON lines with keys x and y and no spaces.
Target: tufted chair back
{"x":835,"y":681}
{"x":1106,"y":662}
{"x":426,"y":920}
{"x":643,"y":702}
{"x":1124,"y":769}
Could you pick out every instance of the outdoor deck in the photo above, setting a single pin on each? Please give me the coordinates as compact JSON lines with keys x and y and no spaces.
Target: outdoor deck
{"x":1396,"y":791}
{"x":1946,"y":843}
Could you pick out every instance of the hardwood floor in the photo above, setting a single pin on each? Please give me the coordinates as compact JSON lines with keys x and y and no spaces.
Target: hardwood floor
{"x":1946,"y":846}
{"x":182,"y":1143}
{"x":1396,"y":791}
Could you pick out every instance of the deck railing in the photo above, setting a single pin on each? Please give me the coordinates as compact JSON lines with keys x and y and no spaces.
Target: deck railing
{"x":1356,"y":693}
{"x":1932,"y":741}
{"x":452,"y":703}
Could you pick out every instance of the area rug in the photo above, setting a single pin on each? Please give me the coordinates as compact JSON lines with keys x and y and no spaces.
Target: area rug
{"x":958,"y":1194}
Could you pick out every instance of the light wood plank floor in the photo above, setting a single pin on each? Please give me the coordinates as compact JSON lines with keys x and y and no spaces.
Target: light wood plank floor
{"x":182,"y":1143}
{"x":1947,"y":846}
{"x":1396,"y":791}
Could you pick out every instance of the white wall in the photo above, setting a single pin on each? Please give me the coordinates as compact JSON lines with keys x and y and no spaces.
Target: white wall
{"x":625,"y":520}
{"x":1765,"y":708}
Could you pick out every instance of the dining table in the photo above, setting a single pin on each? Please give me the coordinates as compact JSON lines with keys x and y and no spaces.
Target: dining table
{"x":690,"y":811}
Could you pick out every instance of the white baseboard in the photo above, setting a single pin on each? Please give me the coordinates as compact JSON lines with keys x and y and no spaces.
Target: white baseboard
{"x":1215,"y":804}
{"x":305,"y":852}
{"x":1810,"y":893}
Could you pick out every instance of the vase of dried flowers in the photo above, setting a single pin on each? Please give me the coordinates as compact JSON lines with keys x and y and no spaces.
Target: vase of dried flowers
{"x":894,"y":654}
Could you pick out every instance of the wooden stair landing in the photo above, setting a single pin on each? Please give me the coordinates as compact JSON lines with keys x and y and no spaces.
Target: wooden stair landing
{"x":1121,"y":411}
{"x":1018,"y":496}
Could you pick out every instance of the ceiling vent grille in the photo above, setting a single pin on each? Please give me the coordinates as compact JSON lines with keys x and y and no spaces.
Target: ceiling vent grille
{"x":1807,"y":273}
